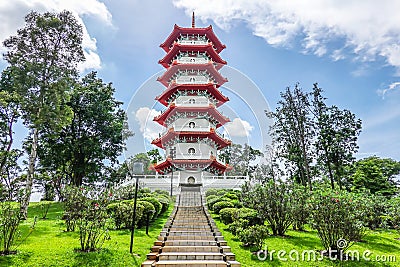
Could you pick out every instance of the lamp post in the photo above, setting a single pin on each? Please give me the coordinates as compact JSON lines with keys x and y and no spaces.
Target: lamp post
{"x":172,"y":154}
{"x":136,"y":169}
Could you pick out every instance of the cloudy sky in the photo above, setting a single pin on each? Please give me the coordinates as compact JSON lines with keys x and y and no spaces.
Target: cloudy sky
{"x":351,"y":48}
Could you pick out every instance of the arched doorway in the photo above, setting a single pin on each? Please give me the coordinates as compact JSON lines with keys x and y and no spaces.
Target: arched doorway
{"x":191,"y":180}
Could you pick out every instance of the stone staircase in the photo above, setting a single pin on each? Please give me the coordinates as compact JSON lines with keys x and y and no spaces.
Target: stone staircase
{"x":190,"y":237}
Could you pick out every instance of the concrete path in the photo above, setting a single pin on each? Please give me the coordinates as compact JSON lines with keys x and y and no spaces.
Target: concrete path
{"x":190,"y":237}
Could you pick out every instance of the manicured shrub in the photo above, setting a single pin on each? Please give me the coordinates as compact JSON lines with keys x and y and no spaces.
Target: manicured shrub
{"x":227,"y":215}
{"x":221,"y":205}
{"x":148,"y":208}
{"x":122,"y":213}
{"x":162,"y":192}
{"x":164,"y":200}
{"x":253,"y":236}
{"x":211,"y":200}
{"x":250,"y":215}
{"x":157,"y":205}
{"x":231,"y":196}
{"x":211,"y":192}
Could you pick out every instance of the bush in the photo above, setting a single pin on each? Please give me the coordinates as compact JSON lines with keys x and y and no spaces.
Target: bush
{"x":393,"y":214}
{"x":164,"y":202}
{"x":211,"y":192}
{"x":227,"y":215}
{"x":238,"y":225}
{"x":273,"y":202}
{"x":221,"y":205}
{"x":148,"y":208}
{"x":253,"y":236}
{"x":157,"y":205}
{"x":122,"y":213}
{"x":231,"y":196}
{"x":335,"y":216}
{"x":162,"y":192}
{"x":300,"y":212}
{"x":250,"y":215}
{"x":9,"y":222}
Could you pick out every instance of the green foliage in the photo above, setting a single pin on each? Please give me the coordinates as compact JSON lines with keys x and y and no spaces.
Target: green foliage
{"x":273,"y":202}
{"x":164,"y":200}
{"x":227,"y":215}
{"x":148,"y":208}
{"x":299,"y":210}
{"x":157,"y":205}
{"x":248,"y":214}
{"x":94,"y":136}
{"x":253,"y":236}
{"x":211,"y":192}
{"x":376,"y":175}
{"x":337,"y":215}
{"x":122,"y":213}
{"x":221,"y":205}
{"x":393,"y":214}
{"x":9,"y":222}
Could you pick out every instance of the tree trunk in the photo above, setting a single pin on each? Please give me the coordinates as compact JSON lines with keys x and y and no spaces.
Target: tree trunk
{"x":29,"y":178}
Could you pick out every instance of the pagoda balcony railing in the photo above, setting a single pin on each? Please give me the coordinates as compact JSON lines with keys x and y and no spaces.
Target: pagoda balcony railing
{"x":192,"y":42}
{"x":189,"y":102}
{"x":192,"y":80}
{"x":189,"y":129}
{"x":192,"y":60}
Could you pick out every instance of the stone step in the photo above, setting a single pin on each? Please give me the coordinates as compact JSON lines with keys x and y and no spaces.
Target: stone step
{"x":193,"y":249}
{"x":191,"y":263}
{"x":194,"y":243}
{"x":190,"y":256}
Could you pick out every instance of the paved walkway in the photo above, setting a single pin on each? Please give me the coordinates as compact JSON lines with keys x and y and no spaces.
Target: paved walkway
{"x":190,"y":237}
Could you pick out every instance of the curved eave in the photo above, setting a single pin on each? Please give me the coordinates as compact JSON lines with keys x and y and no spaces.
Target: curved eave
{"x":172,"y":110}
{"x":209,"y":67}
{"x":212,"y":162}
{"x":172,"y":134}
{"x":166,"y":61}
{"x":208,"y":31}
{"x":189,"y":87}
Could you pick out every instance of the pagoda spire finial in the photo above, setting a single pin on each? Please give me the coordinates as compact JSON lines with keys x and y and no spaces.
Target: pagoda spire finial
{"x":193,"y":20}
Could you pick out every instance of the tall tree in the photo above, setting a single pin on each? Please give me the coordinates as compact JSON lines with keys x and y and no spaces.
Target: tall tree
{"x":337,"y":132}
{"x":376,"y":175}
{"x":94,"y":138}
{"x":43,"y":59}
{"x":240,"y":158}
{"x":293,"y":133}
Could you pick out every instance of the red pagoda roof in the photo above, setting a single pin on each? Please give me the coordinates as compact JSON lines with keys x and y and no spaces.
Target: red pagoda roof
{"x":209,"y":67}
{"x":208,"y":32}
{"x":173,"y":109}
{"x":186,"y":163}
{"x":173,"y":88}
{"x":171,"y":134}
{"x":167,"y":60}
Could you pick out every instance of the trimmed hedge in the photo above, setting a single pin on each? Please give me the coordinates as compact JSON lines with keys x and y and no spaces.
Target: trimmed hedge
{"x":221,"y":205}
{"x":227,"y":215}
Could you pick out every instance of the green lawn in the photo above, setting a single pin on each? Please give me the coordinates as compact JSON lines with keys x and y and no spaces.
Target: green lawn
{"x":50,"y":245}
{"x":382,"y":243}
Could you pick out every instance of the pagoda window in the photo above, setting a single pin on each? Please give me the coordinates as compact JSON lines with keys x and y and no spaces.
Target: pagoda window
{"x":192,"y":124}
{"x":191,"y":151}
{"x":192,"y":101}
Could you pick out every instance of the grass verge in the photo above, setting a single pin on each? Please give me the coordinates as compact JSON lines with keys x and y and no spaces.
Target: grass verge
{"x":49,"y":245}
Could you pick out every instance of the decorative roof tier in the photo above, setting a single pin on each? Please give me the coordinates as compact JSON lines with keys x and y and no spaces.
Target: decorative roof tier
{"x":175,"y":90}
{"x":183,"y":35}
{"x":191,"y":136}
{"x":170,"y":57}
{"x":211,"y":165}
{"x":201,"y":71}
{"x":209,"y":112}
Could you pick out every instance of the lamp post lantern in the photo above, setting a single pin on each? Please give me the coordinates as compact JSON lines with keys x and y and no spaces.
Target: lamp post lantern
{"x":134,"y":169}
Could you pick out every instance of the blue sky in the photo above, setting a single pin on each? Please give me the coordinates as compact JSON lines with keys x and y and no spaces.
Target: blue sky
{"x":351,"y":48}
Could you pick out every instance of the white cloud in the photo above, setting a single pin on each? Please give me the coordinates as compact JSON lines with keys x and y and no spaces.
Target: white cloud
{"x":392,"y":87}
{"x":238,"y":128}
{"x":12,"y":15}
{"x":365,"y":29}
{"x":149,"y":128}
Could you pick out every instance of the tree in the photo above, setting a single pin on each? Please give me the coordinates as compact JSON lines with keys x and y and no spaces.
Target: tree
{"x":10,"y":172}
{"x":293,"y":133}
{"x":240,"y":158}
{"x":43,"y":59}
{"x":337,"y":131}
{"x":93,"y":139}
{"x":376,"y":175}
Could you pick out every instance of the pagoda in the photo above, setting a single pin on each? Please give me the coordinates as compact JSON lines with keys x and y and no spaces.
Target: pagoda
{"x":191,"y":119}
